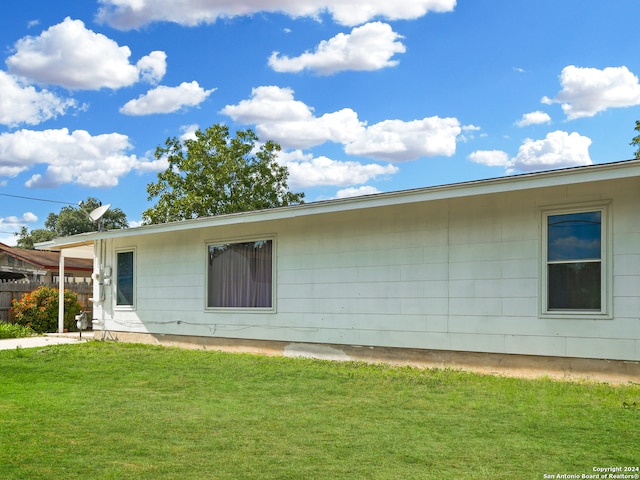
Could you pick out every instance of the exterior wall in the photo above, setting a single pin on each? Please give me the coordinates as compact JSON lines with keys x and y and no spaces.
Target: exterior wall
{"x":458,"y":275}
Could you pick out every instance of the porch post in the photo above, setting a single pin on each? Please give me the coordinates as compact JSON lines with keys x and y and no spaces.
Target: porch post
{"x":61,"y":293}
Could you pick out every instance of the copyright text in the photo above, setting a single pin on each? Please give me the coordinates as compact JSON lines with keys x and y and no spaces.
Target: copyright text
{"x":599,"y":473}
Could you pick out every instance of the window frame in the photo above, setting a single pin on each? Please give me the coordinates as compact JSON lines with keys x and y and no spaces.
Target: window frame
{"x":606,"y":277}
{"x":115,"y":281}
{"x":238,"y":240}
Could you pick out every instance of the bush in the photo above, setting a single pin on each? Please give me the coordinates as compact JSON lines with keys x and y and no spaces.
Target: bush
{"x":11,"y":330}
{"x":39,"y":310}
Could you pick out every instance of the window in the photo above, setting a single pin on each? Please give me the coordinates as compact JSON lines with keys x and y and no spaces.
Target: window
{"x":240,"y":275}
{"x":575,"y":276}
{"x":125,"y":279}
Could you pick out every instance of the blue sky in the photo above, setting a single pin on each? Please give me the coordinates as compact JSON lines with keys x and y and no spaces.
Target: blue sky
{"x":364,"y":96}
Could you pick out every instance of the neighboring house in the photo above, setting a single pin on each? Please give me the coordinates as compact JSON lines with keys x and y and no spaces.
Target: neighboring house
{"x":43,"y":267}
{"x":541,"y":268}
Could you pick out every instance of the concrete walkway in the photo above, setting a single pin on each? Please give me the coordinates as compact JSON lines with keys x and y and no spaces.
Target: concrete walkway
{"x":44,"y":341}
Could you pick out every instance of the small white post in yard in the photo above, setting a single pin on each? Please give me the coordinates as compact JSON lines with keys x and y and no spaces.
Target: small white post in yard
{"x":61,"y":293}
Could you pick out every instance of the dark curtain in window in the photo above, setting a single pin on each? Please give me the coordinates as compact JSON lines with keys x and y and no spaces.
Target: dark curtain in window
{"x":240,"y":275}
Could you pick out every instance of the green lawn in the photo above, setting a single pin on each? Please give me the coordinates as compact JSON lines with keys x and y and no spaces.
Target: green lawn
{"x":121,"y":411}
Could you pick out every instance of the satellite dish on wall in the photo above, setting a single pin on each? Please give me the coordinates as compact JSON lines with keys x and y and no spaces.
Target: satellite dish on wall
{"x":97,"y":214}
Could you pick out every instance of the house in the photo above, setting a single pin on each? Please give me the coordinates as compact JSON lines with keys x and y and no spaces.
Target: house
{"x":540,"y":270}
{"x":41,"y":266}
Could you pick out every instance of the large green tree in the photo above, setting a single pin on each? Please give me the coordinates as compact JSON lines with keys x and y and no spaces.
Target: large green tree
{"x":27,"y":239}
{"x":215,"y":174}
{"x":71,"y":221}
{"x":635,"y":142}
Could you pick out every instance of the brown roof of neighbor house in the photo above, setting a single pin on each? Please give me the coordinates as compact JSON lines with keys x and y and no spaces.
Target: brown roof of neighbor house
{"x":47,"y":260}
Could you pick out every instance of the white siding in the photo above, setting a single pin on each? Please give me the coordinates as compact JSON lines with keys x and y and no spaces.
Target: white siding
{"x":459,"y":274}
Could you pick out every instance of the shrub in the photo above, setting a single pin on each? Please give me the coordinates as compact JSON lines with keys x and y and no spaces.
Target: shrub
{"x":12,"y":330}
{"x":39,"y":310}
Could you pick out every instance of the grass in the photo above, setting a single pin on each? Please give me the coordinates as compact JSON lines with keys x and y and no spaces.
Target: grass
{"x":12,"y":330}
{"x":122,"y":411}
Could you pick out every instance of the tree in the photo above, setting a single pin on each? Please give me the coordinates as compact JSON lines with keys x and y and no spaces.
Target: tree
{"x":28,"y":239}
{"x":71,"y":221}
{"x":636,"y":140}
{"x":214,"y":174}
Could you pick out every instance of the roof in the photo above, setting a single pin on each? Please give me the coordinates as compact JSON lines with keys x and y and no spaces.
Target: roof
{"x":567,"y":176}
{"x":46,"y":260}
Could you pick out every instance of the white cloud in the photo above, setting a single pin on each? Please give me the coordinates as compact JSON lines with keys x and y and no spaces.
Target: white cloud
{"x":533,"y":118}
{"x":366,"y":48}
{"x":468,"y":133}
{"x":356,"y":191}
{"x":9,"y":169}
{"x":587,"y":91}
{"x":189,"y":132}
{"x":70,"y":55}
{"x":128,"y":14}
{"x":24,"y":104}
{"x":152,"y":67}
{"x":70,"y":157}
{"x":13,"y":224}
{"x":291,"y":123}
{"x":339,"y":127}
{"x":557,"y":150}
{"x":167,"y":99}
{"x":27,"y":217}
{"x":269,"y":104}
{"x":399,"y":141}
{"x":491,"y":158}
{"x":307,"y":171}
{"x":150,"y":166}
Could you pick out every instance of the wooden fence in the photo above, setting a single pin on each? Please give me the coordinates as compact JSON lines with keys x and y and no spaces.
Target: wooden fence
{"x":10,"y":290}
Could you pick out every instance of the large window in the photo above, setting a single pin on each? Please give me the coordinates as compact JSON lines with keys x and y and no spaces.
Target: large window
{"x":575,"y":254}
{"x":240,"y":275}
{"x":125,"y":279}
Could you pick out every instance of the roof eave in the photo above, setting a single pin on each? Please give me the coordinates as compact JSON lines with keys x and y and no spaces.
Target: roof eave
{"x":568,"y":176}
